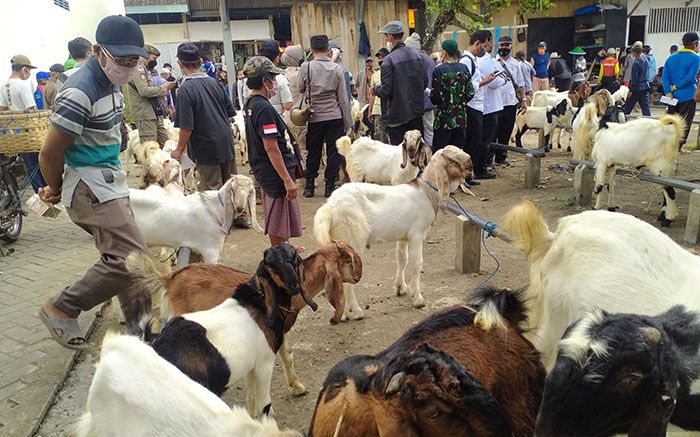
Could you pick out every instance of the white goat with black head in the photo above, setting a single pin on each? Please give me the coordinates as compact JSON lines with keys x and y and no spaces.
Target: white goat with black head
{"x":545,"y":118}
{"x":239,"y":337}
{"x":645,"y":143}
{"x":624,"y":373}
{"x":137,"y":393}
{"x":372,"y":161}
{"x":363,"y":214}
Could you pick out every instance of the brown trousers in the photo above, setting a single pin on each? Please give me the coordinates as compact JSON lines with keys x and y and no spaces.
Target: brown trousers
{"x":116,"y":235}
{"x":540,"y":84}
{"x":152,"y":130}
{"x":213,"y":176}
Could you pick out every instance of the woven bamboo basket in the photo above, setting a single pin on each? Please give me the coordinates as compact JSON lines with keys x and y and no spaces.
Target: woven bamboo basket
{"x":23,"y":132}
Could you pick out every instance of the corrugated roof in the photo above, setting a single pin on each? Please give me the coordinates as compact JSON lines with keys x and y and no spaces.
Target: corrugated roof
{"x":154,"y":2}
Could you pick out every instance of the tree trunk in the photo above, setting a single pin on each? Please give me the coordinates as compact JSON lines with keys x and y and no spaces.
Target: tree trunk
{"x":434,"y":31}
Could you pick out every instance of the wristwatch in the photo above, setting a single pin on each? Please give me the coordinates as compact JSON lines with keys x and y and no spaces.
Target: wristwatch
{"x":673,"y":87}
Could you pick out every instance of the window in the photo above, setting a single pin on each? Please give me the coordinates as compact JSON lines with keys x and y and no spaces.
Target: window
{"x":62,"y":4}
{"x":674,"y":20}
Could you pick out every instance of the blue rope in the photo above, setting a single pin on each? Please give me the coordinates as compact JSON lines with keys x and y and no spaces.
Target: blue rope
{"x":486,"y":231}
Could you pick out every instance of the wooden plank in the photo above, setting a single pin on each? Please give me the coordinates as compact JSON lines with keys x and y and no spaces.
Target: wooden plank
{"x":468,"y":250}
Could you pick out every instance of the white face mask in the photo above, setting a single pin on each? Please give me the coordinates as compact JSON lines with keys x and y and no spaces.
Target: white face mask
{"x":271,"y":90}
{"x":117,"y":74}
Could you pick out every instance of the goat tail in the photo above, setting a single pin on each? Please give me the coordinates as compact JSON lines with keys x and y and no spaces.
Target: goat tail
{"x":153,"y":279}
{"x":678,"y":124}
{"x":344,"y":144}
{"x":529,"y":231}
{"x":323,"y":221}
{"x":582,"y":136}
{"x":498,"y":307}
{"x":84,"y":427}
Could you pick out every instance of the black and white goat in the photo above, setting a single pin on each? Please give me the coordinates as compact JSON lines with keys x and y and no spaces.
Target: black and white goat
{"x":545,"y":118}
{"x":137,"y":393}
{"x":239,"y":337}
{"x":624,"y":373}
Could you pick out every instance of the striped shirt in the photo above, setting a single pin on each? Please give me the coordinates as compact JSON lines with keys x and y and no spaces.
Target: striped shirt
{"x":89,"y":109}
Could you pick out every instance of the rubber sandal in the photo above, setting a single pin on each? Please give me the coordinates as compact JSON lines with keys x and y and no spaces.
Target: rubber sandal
{"x":70,"y":330}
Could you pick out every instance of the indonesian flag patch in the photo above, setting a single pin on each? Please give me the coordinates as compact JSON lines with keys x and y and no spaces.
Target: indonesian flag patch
{"x":269,"y":129}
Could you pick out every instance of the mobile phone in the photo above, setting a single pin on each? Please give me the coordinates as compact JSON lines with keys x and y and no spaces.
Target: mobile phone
{"x":500,"y":73}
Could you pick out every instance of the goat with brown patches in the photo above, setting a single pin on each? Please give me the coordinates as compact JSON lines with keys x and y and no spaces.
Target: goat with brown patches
{"x":445,"y":376}
{"x":199,"y":287}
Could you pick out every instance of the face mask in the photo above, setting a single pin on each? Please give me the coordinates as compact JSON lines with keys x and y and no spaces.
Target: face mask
{"x":152,"y":64}
{"x":540,"y":50}
{"x":380,"y":63}
{"x":271,"y":90}
{"x":117,"y":74}
{"x":504,"y":53}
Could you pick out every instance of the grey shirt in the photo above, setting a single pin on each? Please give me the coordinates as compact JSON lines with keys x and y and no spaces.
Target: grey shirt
{"x":329,"y":96}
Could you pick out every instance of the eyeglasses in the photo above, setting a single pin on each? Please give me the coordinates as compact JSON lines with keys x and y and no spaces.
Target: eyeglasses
{"x":123,"y":61}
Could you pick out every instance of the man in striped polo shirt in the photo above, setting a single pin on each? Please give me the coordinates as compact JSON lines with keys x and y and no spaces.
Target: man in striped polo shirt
{"x":80,"y":161}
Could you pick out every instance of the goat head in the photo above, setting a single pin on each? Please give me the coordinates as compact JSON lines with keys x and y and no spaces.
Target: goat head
{"x":284,"y":265}
{"x":434,"y":394}
{"x":411,"y":146}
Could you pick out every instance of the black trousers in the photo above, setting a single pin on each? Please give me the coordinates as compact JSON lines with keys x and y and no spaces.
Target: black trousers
{"x":475,"y":147}
{"x":449,"y":137}
{"x":687,"y":111}
{"x":506,"y":121}
{"x":489,"y":133}
{"x":396,"y":133}
{"x":319,"y":132}
{"x":562,"y":84}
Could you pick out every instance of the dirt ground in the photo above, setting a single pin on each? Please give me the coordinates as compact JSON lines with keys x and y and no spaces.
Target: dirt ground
{"x":318,"y":345}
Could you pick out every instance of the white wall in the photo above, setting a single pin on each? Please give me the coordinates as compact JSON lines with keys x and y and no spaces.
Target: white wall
{"x":241,"y":30}
{"x":659,"y":42}
{"x":41,"y":30}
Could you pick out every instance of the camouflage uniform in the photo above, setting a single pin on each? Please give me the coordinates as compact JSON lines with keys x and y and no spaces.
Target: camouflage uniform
{"x":138,"y":92}
{"x":452,"y":90}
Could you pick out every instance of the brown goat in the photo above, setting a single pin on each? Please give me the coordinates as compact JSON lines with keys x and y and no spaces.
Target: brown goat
{"x":445,"y":376}
{"x":199,"y":287}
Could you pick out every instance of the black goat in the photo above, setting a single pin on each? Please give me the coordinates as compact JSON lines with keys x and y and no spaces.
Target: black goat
{"x":624,"y":373}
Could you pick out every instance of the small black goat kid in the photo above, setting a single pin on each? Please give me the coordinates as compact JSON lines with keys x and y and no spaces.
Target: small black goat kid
{"x":624,"y":373}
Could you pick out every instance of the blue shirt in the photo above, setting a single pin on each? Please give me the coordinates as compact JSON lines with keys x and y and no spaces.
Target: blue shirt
{"x":541,"y":63}
{"x":681,"y":70}
{"x":640,"y":71}
{"x":652,"y":67}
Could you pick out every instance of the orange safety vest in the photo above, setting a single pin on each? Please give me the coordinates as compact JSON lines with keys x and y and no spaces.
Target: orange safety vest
{"x":609,"y":67}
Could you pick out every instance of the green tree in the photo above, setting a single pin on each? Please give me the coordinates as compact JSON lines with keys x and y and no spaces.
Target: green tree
{"x":477,"y":13}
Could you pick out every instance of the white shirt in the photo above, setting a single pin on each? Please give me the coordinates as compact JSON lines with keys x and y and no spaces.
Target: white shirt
{"x":492,"y":93}
{"x":283,"y":94}
{"x":477,"y":102}
{"x":508,"y":95}
{"x":17,"y":94}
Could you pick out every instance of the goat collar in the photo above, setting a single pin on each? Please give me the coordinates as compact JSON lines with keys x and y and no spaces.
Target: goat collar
{"x":428,"y":183}
{"x":436,"y":204}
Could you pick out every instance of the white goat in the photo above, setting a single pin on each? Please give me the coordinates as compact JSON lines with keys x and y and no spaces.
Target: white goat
{"x":545,"y":118}
{"x":135,"y":392}
{"x":359,"y":213}
{"x":370,"y":160}
{"x":200,"y":221}
{"x":152,"y":160}
{"x":621,"y":94}
{"x":644,"y":142}
{"x":598,"y":259}
{"x":133,"y":148}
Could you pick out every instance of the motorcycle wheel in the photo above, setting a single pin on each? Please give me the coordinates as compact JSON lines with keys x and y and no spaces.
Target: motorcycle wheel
{"x":12,"y":234}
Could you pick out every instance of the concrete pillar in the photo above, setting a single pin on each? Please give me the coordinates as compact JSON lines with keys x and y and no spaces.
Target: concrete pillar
{"x":583,"y":185}
{"x":540,"y":138}
{"x":692,"y":225}
{"x":532,"y":171}
{"x":230,"y":62}
{"x":468,"y":251}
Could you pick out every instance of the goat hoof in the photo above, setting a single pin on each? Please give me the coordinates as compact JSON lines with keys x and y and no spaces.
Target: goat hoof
{"x":298,"y":389}
{"x":357,"y":314}
{"x":665,"y":223}
{"x":613,"y":208}
{"x":418,"y":302}
{"x":400,"y":289}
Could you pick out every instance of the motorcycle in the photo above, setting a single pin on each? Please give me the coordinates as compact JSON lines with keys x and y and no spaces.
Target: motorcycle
{"x":11,"y":211}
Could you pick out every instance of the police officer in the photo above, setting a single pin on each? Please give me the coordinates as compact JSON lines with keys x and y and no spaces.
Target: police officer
{"x":145,"y":109}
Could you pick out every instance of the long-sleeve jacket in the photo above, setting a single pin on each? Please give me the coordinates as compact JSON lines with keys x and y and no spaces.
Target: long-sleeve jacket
{"x":140,"y":88}
{"x":329,"y":96}
{"x":680,"y":75}
{"x":404,"y":80}
{"x":639,"y":79}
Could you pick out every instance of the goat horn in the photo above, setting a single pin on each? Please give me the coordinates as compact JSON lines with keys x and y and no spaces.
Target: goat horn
{"x":651,"y":335}
{"x":395,"y":383}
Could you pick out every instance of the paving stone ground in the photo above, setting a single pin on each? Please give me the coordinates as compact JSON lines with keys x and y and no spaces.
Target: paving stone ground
{"x":50,"y":254}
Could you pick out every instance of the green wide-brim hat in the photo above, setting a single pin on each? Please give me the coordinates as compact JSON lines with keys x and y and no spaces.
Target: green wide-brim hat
{"x":577,"y":51}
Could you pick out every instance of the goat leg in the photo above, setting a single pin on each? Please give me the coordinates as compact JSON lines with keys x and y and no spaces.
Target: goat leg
{"x":336,"y":297}
{"x":287,"y":356}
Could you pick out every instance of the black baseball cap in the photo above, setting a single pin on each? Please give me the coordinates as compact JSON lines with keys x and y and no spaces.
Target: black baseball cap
{"x":188,"y":52}
{"x":505,"y":38}
{"x":270,"y":48}
{"x":121,"y":36}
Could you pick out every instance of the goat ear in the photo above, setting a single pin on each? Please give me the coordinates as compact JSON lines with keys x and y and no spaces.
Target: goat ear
{"x":250,"y":206}
{"x":395,"y":383}
{"x":404,"y":154}
{"x":227,"y":195}
{"x":442,"y":180}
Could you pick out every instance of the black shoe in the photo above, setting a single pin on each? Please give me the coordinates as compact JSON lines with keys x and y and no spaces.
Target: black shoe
{"x":472,"y":181}
{"x":309,"y":189}
{"x":504,"y":163}
{"x":330,"y":187}
{"x":485,"y":175}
